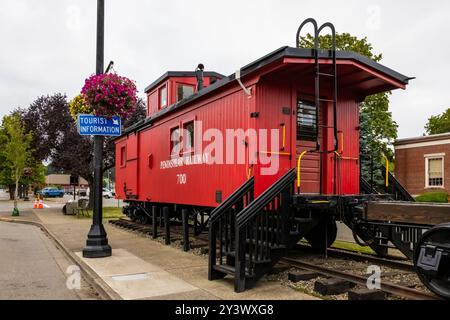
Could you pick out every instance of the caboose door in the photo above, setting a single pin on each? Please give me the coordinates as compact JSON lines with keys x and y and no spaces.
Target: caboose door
{"x":273,"y":118}
{"x":308,"y":122}
{"x":131,"y":166}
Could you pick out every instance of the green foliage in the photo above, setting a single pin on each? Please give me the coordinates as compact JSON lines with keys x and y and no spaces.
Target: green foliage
{"x":16,"y":149}
{"x":434,"y":197}
{"x":78,"y":106}
{"x":439,"y":124}
{"x":345,"y":42}
{"x":378,"y":129}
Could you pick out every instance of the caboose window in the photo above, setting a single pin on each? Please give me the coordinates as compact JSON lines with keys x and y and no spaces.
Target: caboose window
{"x":175,"y":142}
{"x":434,"y":172}
{"x":306,"y":121}
{"x":188,"y":137}
{"x":123,"y":156}
{"x":184,"y":91}
{"x":163,"y":97}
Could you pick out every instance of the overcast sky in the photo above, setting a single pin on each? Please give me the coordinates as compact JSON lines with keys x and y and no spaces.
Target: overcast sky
{"x":48,"y":46}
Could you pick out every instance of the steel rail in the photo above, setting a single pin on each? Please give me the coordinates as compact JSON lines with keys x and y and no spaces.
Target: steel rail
{"x":401,"y":264}
{"x":387,"y":287}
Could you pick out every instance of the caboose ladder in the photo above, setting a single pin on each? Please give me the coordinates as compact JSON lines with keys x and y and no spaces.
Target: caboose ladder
{"x":319,"y":97}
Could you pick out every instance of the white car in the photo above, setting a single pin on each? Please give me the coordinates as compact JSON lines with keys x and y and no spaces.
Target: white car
{"x":107,"y":193}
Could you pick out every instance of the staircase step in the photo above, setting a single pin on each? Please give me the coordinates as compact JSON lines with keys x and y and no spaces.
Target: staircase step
{"x":224,"y":268}
{"x":230,"y":270}
{"x":247,"y":258}
{"x":272,"y":247}
{"x":292,"y":233}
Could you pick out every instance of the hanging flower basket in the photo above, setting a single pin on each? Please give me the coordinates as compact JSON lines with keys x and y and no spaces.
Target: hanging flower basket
{"x":78,"y":106}
{"x":110,"y":95}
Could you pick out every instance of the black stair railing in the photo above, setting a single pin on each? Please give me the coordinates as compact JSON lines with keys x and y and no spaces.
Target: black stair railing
{"x":263,"y":229}
{"x":396,"y":189}
{"x":366,"y":188}
{"x":222,"y":223}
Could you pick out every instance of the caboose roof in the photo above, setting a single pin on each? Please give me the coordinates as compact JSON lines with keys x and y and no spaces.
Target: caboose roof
{"x":392,"y":79}
{"x":180,"y":74}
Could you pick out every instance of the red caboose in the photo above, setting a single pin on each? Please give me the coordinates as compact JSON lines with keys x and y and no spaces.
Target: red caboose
{"x":271,"y":155}
{"x":274,"y":148}
{"x":275,"y":94}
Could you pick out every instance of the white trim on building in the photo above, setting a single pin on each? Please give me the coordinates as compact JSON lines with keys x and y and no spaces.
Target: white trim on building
{"x":422,"y":144}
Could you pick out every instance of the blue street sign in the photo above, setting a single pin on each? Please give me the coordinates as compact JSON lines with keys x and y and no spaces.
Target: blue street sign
{"x":90,"y":125}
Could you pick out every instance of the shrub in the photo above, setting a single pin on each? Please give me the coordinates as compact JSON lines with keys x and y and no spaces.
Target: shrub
{"x":435,"y":197}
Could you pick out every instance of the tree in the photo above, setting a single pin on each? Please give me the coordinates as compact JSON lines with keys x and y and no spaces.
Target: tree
{"x":378,"y":129}
{"x":16,"y":149}
{"x":61,"y":145}
{"x":48,"y":117}
{"x":439,"y":124}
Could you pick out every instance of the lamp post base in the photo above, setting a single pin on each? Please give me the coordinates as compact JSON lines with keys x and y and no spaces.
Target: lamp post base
{"x":97,"y":243}
{"x":15,"y":212}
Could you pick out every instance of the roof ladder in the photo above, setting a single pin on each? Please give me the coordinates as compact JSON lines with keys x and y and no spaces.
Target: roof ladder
{"x":318,"y":75}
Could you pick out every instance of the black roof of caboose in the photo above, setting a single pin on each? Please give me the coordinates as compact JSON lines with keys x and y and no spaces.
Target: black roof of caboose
{"x":283,"y":52}
{"x":170,"y":74}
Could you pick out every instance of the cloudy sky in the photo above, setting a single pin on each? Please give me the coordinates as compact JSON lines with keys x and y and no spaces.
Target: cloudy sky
{"x":48,"y":46}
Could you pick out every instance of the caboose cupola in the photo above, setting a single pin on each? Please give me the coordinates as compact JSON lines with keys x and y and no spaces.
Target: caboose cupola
{"x":174,"y":86}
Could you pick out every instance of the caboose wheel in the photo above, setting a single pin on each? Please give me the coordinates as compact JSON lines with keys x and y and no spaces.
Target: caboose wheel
{"x":325,"y":230}
{"x":143,"y":218}
{"x":432,"y":260}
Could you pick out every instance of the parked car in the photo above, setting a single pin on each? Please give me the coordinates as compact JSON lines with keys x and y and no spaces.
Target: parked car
{"x":51,"y":192}
{"x":108,"y":194}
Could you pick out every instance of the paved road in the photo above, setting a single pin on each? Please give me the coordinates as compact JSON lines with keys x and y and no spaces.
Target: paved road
{"x":31,"y":267}
{"x":7,"y":205}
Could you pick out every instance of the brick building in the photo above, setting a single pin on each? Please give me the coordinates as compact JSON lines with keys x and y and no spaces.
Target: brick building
{"x":422,"y":164}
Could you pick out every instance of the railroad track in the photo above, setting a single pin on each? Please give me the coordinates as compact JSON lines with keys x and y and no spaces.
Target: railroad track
{"x":388,"y":287}
{"x":392,"y":262}
{"x":175,"y":230}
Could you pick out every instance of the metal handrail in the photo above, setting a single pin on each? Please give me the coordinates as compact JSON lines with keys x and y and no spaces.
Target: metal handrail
{"x":231,"y":200}
{"x":258,"y":204}
{"x":299,"y":161}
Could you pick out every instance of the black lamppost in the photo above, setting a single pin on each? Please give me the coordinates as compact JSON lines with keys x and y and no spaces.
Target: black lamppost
{"x":97,"y":242}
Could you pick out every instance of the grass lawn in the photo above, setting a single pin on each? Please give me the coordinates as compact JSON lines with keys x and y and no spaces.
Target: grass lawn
{"x":352,"y":247}
{"x":343,"y":245}
{"x":434,"y":197}
{"x":110,"y":213}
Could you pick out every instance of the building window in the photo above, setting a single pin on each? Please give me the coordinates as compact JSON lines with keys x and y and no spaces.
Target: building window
{"x":163,"y":97}
{"x":188,"y":136}
{"x":434,"y":171}
{"x":175,"y":142}
{"x":306,"y":121}
{"x":184,"y":91}
{"x":123,"y":157}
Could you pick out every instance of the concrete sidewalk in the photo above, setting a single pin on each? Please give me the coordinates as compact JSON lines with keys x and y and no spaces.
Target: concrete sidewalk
{"x":142,"y":268}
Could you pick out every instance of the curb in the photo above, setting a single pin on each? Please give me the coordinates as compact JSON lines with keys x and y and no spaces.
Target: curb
{"x":105,"y":292}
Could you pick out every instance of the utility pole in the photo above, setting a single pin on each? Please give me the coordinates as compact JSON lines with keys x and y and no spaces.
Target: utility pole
{"x":97,"y":241}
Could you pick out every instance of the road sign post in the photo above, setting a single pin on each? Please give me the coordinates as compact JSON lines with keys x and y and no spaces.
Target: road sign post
{"x":97,"y":241}
{"x":90,"y":125}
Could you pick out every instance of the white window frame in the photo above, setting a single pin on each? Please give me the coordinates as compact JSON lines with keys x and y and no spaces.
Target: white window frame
{"x":427,"y":178}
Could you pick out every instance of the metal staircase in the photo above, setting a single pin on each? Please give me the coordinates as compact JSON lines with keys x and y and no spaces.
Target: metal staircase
{"x":248,"y":243}
{"x":395,"y":188}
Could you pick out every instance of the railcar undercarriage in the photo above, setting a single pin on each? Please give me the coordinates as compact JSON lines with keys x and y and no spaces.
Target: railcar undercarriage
{"x":314,"y":218}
